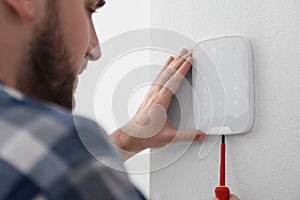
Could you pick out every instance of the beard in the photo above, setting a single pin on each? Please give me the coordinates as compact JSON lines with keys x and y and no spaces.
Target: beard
{"x":50,"y":74}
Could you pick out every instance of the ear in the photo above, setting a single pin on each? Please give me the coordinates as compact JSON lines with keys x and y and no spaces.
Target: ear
{"x":23,"y":8}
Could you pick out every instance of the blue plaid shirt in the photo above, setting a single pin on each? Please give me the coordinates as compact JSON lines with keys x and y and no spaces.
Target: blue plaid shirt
{"x":42,"y":156}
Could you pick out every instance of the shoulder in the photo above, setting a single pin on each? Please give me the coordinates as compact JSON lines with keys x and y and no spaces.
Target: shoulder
{"x":54,"y":127}
{"x":62,"y":154}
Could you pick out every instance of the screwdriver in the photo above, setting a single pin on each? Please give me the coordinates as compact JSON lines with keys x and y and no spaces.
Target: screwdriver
{"x":222,"y":191}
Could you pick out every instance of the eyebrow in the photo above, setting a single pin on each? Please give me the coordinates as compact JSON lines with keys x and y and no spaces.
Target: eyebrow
{"x":99,"y":3}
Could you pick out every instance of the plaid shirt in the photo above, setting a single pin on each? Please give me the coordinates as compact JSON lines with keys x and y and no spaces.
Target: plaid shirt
{"x":42,"y":156}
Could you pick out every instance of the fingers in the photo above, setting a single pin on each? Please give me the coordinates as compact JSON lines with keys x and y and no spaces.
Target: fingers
{"x":163,"y":74}
{"x":233,"y":197}
{"x":182,"y":53}
{"x":185,"y":67}
{"x":170,"y":77}
{"x":185,"y":135}
{"x":171,"y":66}
{"x":181,"y":59}
{"x":169,"y":61}
{"x":173,"y":83}
{"x":179,"y":56}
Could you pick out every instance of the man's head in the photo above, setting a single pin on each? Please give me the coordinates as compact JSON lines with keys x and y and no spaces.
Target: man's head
{"x":48,"y":44}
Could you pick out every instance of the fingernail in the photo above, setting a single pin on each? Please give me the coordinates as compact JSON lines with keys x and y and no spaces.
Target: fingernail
{"x":184,"y":50}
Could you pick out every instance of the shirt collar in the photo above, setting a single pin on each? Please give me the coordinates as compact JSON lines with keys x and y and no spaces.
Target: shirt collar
{"x":11,"y":92}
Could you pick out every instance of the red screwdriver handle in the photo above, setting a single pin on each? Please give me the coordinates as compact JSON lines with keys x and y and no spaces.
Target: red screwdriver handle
{"x":222,"y":192}
{"x":222,"y":165}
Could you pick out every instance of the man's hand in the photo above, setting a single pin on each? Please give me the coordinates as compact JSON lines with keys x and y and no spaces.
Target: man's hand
{"x":232,"y":197}
{"x":150,"y":127}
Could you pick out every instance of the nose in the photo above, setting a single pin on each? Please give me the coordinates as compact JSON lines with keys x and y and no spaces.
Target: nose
{"x":94,"y":51}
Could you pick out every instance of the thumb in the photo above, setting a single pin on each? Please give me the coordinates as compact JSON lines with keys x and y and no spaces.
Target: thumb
{"x":185,"y":135}
{"x":215,"y":198}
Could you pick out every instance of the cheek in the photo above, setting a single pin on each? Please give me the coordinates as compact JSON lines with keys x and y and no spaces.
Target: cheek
{"x":76,"y":30}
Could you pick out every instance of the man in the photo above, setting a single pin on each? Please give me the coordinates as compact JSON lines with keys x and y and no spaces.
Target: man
{"x":43,"y":44}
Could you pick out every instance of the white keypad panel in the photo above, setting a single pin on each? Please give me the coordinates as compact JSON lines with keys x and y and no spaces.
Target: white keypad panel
{"x":223,"y":86}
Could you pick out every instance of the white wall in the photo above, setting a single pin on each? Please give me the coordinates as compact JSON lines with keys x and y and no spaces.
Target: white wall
{"x":265,"y":163}
{"x":115,"y":18}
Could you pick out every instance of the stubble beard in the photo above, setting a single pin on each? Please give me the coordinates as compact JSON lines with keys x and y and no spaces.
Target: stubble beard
{"x":50,"y":73}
